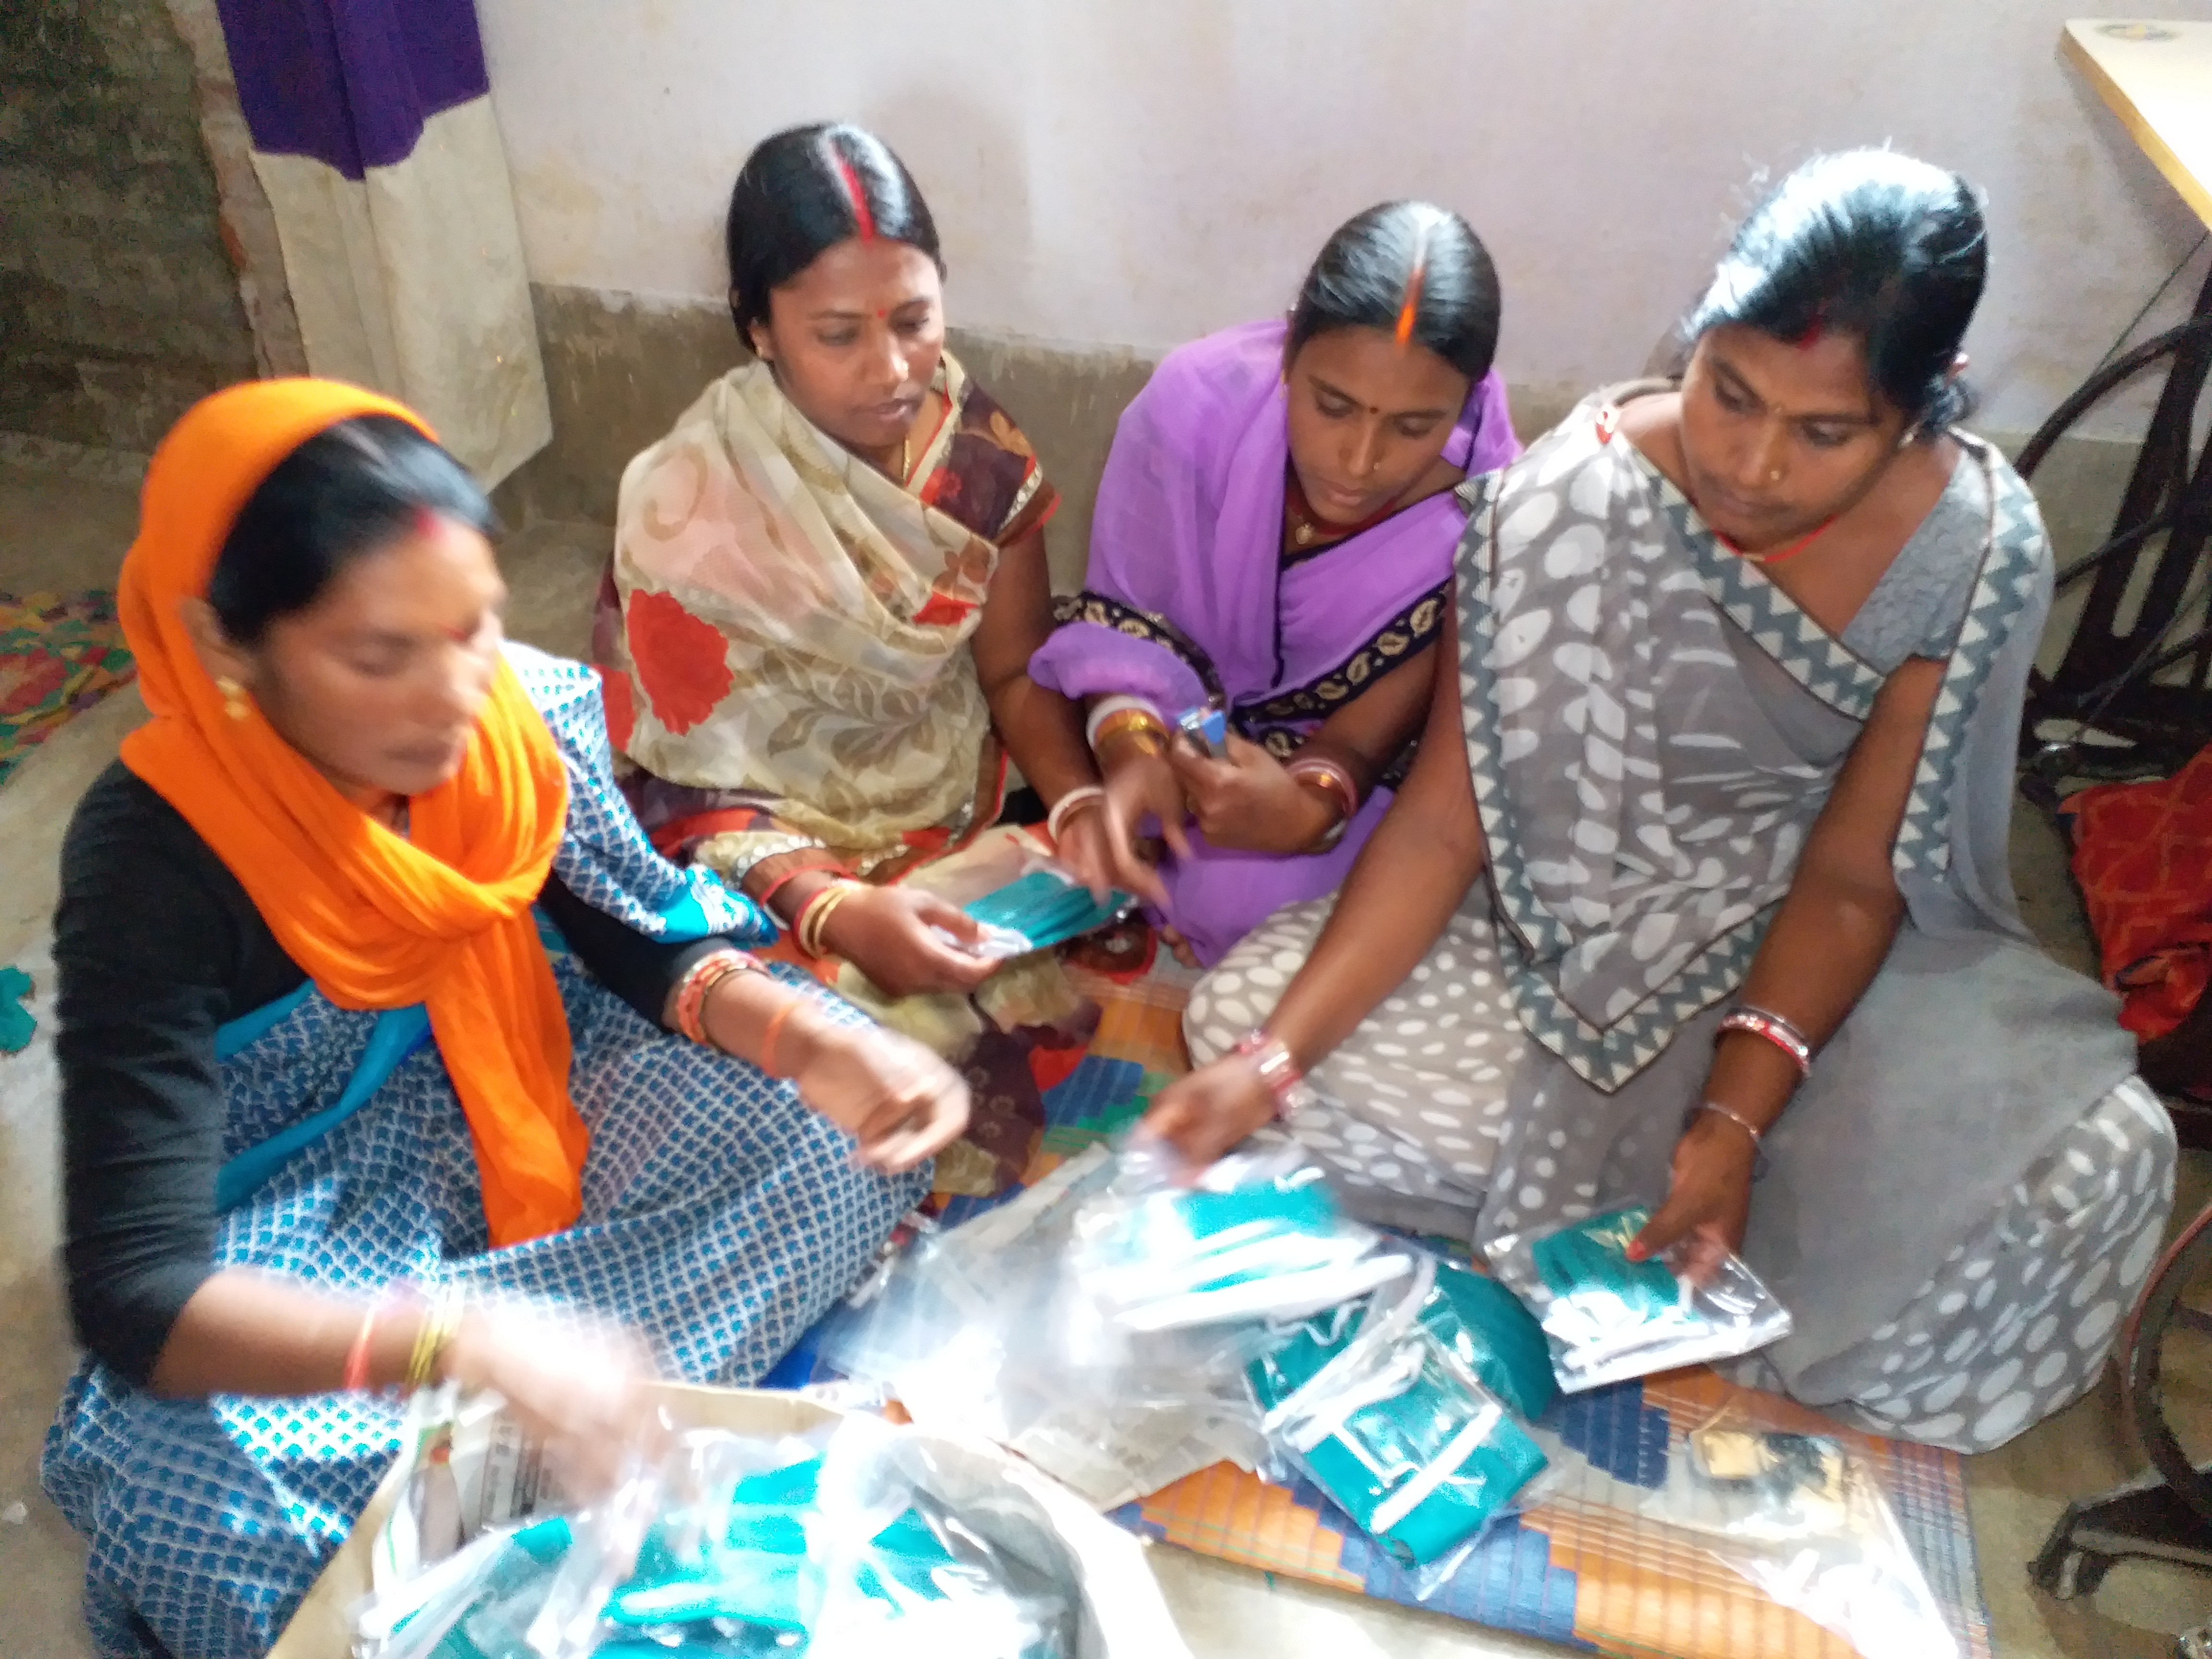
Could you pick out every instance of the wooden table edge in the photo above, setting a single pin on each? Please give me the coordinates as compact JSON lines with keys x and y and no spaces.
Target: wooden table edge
{"x":2186,"y":183}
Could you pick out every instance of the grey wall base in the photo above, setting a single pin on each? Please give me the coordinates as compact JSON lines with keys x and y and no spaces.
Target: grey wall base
{"x":622,"y":368}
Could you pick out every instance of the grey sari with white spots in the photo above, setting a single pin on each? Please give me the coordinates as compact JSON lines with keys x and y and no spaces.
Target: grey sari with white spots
{"x":1969,"y":1186}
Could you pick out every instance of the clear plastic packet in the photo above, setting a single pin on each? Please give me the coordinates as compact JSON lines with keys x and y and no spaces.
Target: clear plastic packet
{"x":843,"y":1546}
{"x":1381,"y":1411}
{"x":1254,"y":1235}
{"x":1608,"y":1319}
{"x":1803,"y":1518}
{"x":981,"y":1329}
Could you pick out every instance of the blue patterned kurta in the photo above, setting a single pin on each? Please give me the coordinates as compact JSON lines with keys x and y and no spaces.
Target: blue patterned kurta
{"x":720,"y":1217}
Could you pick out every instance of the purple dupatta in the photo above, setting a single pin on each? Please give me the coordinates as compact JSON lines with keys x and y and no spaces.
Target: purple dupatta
{"x":1188,"y":595}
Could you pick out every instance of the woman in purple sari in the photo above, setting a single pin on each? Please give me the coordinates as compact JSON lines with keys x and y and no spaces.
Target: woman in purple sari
{"x":1273,"y":535}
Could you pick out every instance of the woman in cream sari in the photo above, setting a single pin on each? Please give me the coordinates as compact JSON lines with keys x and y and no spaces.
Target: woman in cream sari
{"x":827,"y":580}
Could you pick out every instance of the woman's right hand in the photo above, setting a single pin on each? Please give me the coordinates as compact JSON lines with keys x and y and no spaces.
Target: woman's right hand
{"x":889,"y":934}
{"x":1207,"y":1113}
{"x":1139,"y":786}
{"x":583,"y":1398}
{"x":899,"y":1100}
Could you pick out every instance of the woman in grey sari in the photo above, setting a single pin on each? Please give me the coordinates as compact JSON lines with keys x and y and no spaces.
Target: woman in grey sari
{"x":1697,"y":894}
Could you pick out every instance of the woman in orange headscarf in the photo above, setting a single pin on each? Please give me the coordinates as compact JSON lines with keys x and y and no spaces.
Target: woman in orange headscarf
{"x":351,"y":1097}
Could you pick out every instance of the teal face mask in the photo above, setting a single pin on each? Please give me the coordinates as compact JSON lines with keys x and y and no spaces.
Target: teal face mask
{"x":1041,"y":910}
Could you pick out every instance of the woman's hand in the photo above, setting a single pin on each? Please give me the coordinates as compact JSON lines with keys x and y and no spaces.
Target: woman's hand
{"x":899,"y":1100}
{"x":1139,"y":786}
{"x":1086,"y":847}
{"x":1205,"y":1113}
{"x":583,"y":1398}
{"x":888,"y":934}
{"x":1249,"y":802}
{"x":1709,"y":1200}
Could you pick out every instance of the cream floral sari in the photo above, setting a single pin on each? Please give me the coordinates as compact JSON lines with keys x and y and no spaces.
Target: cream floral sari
{"x":793,"y":625}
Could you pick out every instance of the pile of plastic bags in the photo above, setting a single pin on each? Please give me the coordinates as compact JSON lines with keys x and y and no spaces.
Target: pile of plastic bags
{"x":853,"y":1542}
{"x":1127,"y":1322}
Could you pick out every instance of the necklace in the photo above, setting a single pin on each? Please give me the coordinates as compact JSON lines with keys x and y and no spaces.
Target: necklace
{"x":1788,"y":552}
{"x":1304,"y":524}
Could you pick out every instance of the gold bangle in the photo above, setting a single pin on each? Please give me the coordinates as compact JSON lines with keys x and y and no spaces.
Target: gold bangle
{"x":1140,"y":725}
{"x":441,"y":1322}
{"x":819,"y":909}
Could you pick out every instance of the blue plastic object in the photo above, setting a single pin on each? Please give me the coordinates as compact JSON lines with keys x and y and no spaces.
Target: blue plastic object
{"x":1047,"y":909}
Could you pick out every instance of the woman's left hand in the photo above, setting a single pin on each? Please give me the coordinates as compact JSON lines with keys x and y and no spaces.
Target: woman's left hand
{"x":1709,"y":1200}
{"x":1249,"y":803}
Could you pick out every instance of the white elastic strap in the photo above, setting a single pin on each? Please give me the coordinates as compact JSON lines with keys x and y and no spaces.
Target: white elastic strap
{"x":1114,"y":705}
{"x":1415,"y":1492}
{"x":1379,"y":1334}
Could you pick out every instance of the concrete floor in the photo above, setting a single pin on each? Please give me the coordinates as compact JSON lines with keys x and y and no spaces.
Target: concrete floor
{"x":64,"y":523}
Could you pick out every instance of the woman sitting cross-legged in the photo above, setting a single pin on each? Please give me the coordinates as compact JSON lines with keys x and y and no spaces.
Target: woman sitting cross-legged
{"x":826,"y":585}
{"x":1274,"y":533}
{"x":391,"y":1052}
{"x":1702,"y":869}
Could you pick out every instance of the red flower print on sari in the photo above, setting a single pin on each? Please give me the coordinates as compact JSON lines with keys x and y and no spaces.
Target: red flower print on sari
{"x":682,"y":663}
{"x":622,"y":712}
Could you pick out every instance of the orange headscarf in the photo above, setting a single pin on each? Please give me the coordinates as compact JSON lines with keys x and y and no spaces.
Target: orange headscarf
{"x":441,"y":917}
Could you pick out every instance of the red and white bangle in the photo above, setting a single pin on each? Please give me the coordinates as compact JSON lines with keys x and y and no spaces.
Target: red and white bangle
{"x":1759,"y":1022}
{"x":1272,"y":1060}
{"x":1068,"y":805}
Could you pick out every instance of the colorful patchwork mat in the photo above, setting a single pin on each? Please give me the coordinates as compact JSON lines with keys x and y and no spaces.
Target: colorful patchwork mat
{"x":59,"y":654}
{"x":1580,"y":1570}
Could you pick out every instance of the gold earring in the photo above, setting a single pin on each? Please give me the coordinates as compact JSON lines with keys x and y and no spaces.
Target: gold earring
{"x":233,"y":698}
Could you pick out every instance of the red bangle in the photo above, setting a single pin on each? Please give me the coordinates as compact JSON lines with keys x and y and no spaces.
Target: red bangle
{"x":356,"y":1362}
{"x":829,"y":865}
{"x":1271,"y":1058}
{"x":775,"y":1031}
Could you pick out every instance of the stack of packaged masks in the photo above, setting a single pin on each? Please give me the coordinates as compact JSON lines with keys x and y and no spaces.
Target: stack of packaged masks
{"x":1122,"y":1326}
{"x":850,"y":1542}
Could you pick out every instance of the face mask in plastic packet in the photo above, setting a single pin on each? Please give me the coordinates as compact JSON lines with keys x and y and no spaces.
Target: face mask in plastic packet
{"x":1378,"y":1411}
{"x":1608,"y":1319}
{"x":1257,"y":1237}
{"x":828,"y":1551}
{"x":1039,"y":910}
{"x":980,"y":1329}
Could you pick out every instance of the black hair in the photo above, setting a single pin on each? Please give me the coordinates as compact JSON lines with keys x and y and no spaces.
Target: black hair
{"x":348,"y":490}
{"x":1872,"y":243}
{"x":807,"y":189}
{"x":1365,"y":276}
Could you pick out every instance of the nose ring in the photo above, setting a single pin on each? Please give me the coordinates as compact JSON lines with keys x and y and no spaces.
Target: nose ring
{"x":1774,"y":475}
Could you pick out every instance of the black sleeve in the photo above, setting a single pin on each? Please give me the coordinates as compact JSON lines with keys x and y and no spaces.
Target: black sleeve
{"x":155,"y":945}
{"x":640,"y":969}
